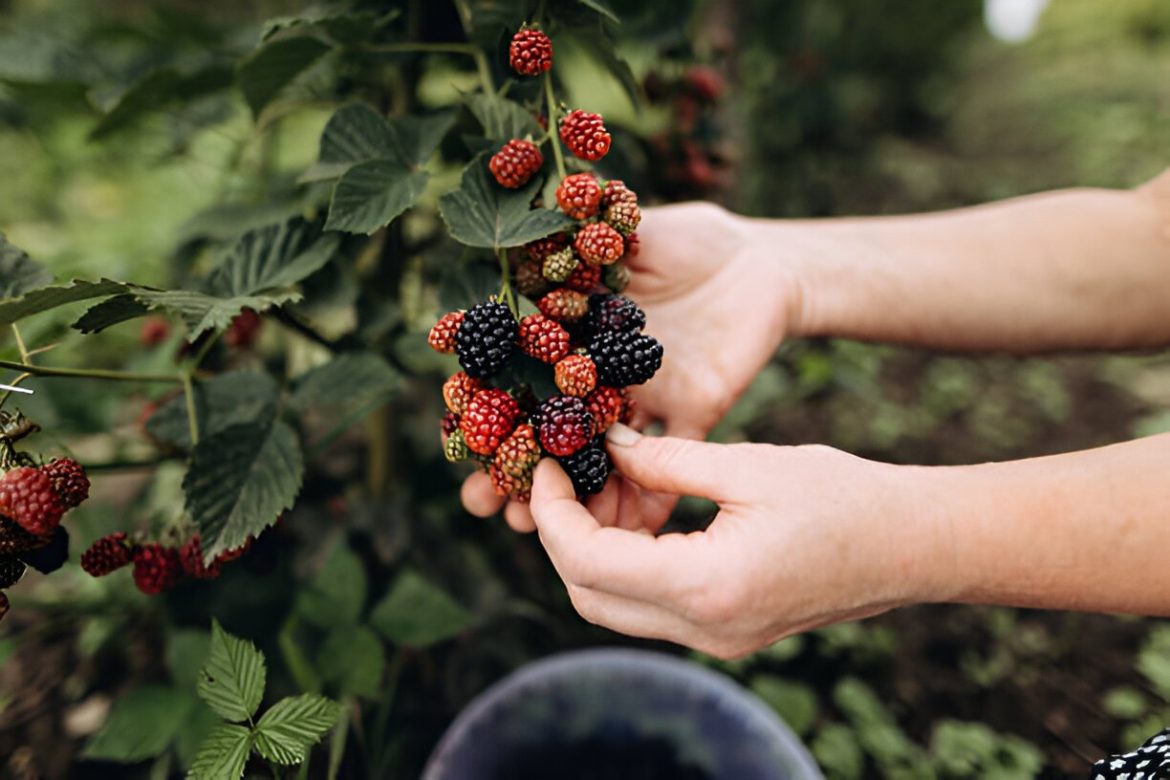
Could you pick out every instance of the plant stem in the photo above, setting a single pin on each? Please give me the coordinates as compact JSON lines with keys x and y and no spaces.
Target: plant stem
{"x":481,"y":63}
{"x":506,"y":284}
{"x":125,"y":465}
{"x":20,"y":344}
{"x":192,"y":414}
{"x":437,"y":48}
{"x":89,"y":373}
{"x":551,"y":99}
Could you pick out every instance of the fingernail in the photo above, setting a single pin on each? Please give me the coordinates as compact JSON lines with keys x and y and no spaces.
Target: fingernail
{"x":622,"y":435}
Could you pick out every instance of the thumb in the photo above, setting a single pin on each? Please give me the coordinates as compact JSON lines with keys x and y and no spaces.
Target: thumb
{"x":670,"y":465}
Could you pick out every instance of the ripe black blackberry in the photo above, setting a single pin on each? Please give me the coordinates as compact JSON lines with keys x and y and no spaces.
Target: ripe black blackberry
{"x":11,"y":570}
{"x":613,"y":313}
{"x":588,"y":468}
{"x":486,"y":339}
{"x":564,"y":425}
{"x":625,"y":357}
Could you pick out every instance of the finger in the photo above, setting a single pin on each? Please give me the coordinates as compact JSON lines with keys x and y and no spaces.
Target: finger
{"x":612,"y":560}
{"x":519,"y":517}
{"x":479,"y":497}
{"x":679,"y":466}
{"x":630,"y":617}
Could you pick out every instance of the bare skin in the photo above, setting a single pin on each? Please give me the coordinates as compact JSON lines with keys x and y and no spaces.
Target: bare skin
{"x":809,"y":535}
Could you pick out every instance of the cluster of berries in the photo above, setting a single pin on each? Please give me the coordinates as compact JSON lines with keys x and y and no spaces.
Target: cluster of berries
{"x":33,"y":500}
{"x":585,"y":331}
{"x":691,"y":158}
{"x":157,"y":567}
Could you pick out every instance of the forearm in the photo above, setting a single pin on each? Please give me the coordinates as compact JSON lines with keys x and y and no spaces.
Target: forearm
{"x":1068,"y":269}
{"x":1086,"y":530}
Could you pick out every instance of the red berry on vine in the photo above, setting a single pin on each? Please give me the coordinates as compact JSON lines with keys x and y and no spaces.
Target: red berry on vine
{"x":605,"y":404}
{"x":191,"y":559}
{"x":564,"y":425}
{"x":242,"y":332}
{"x":230,"y":555}
{"x":541,"y":248}
{"x":107,"y":554}
{"x":530,"y":52}
{"x":516,"y":163}
{"x":619,"y":205}
{"x":579,"y":195}
{"x":585,"y":135}
{"x":458,"y":391}
{"x":705,"y":82}
{"x":564,"y":305}
{"x":70,"y":482}
{"x":156,"y":568}
{"x":515,"y":486}
{"x":519,"y":453}
{"x":27,"y":496}
{"x":450,"y":422}
{"x":585,"y":278}
{"x":543,"y":338}
{"x":575,"y":375}
{"x":154,"y":331}
{"x":599,"y":244}
{"x":530,"y":279}
{"x":442,"y":335}
{"x":490,"y":417}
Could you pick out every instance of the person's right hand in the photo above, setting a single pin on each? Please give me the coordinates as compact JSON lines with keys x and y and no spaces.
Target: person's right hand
{"x":720,"y":303}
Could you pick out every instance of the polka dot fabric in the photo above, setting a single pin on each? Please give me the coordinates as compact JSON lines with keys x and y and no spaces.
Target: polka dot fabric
{"x":1150,"y":761}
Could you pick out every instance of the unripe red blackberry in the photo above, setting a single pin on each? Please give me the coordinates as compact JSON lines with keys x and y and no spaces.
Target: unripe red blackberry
{"x":613,"y":313}
{"x":107,"y":554}
{"x":191,"y":559}
{"x":486,"y":339}
{"x":575,"y":375}
{"x":519,"y":453}
{"x":625,"y":357}
{"x":154,"y":331}
{"x":564,"y":305}
{"x":70,"y":482}
{"x":563,"y":424}
{"x":543,"y":338}
{"x":599,"y":244}
{"x":518,"y":487}
{"x":442,"y":335}
{"x":11,"y":570}
{"x":449,"y":422}
{"x":588,"y":469}
{"x":531,"y":52}
{"x":585,"y":278}
{"x":156,"y":568}
{"x":543,"y":247}
{"x":28,"y":498}
{"x":516,"y":163}
{"x":619,"y":207}
{"x":490,"y":417}
{"x":585,"y":135}
{"x":579,"y":195}
{"x":242,"y":332}
{"x":559,"y":266}
{"x":458,"y":391}
{"x":605,"y":404}
{"x":530,"y":279}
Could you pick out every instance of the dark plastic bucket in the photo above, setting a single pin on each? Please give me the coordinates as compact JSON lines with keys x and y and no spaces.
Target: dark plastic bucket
{"x":615,"y":700}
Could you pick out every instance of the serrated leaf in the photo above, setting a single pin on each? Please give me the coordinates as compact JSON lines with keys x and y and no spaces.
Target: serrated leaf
{"x":271,"y":257}
{"x":349,"y":381}
{"x":240,"y":481}
{"x":234,"y":398}
{"x":352,"y":659}
{"x":47,"y":298}
{"x":110,"y":312}
{"x":601,"y":7}
{"x":19,"y":273}
{"x":141,"y":724}
{"x":202,"y":312}
{"x":187,"y":649}
{"x":481,"y":213}
{"x":158,"y":89}
{"x":503,"y":119}
{"x":371,"y":194}
{"x":348,"y":27}
{"x":356,"y":133}
{"x":223,"y":755}
{"x":232,"y":679}
{"x":416,"y":613}
{"x":274,"y":65}
{"x":199,"y":724}
{"x":293,"y":725}
{"x":338,"y":592}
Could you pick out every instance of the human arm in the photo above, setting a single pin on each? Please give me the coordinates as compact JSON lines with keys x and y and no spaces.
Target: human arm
{"x":807,"y":536}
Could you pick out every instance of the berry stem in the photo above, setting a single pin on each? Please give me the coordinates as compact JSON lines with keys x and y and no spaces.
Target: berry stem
{"x":192,"y":415}
{"x":481,"y":63}
{"x":89,"y":373}
{"x":552,"y":125}
{"x":506,"y":294}
{"x":24,"y":358}
{"x":413,"y":47}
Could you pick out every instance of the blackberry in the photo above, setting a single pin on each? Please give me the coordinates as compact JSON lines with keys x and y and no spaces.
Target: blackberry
{"x":51,"y":554}
{"x":106,"y":555}
{"x":14,"y":539}
{"x":69,"y":481}
{"x":563,"y":424}
{"x":4,"y":605}
{"x":588,"y":469}
{"x":27,"y":497}
{"x":486,"y":339}
{"x":625,"y":357}
{"x":191,"y":560}
{"x":613,"y":313}
{"x":11,"y":570}
{"x":156,"y":568}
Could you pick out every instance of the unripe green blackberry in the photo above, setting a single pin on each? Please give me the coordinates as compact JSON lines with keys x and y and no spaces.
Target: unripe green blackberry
{"x":560,"y":265}
{"x":455,"y":450}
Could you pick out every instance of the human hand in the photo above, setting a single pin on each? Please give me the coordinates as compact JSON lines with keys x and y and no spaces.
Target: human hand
{"x":805,"y":536}
{"x":719,"y":302}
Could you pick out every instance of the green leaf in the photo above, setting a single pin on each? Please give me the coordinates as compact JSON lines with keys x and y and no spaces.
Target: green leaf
{"x":229,"y":399}
{"x":197,"y":727}
{"x":223,"y":755}
{"x":18,"y":272}
{"x":338,"y":592}
{"x":794,"y":702}
{"x":202,"y":312}
{"x":271,"y":257}
{"x":356,"y":133}
{"x":158,"y":89}
{"x":481,"y":213}
{"x":371,"y":194}
{"x":110,"y":312}
{"x":240,"y":481}
{"x":348,"y":27}
{"x":293,"y":725}
{"x":232,"y":680}
{"x":838,"y":752}
{"x":352,"y":659}
{"x":274,"y":65}
{"x":187,"y":649}
{"x":47,"y":298}
{"x":141,"y":724}
{"x":348,"y":382}
{"x":416,"y":613}
{"x":503,"y":119}
{"x":601,"y":7}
